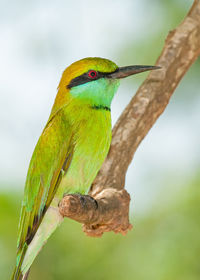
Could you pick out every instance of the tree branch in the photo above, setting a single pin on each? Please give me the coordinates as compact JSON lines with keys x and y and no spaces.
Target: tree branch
{"x":110,"y":211}
{"x":107,"y":212}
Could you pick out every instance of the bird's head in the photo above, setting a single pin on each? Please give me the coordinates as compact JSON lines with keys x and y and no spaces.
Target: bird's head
{"x":95,"y":80}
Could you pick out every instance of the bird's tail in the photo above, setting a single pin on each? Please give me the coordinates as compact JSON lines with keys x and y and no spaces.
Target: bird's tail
{"x":20,"y":276}
{"x":26,"y":256}
{"x":17,"y":273}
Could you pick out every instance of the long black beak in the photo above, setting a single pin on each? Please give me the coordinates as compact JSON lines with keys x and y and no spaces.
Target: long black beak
{"x":123,"y":72}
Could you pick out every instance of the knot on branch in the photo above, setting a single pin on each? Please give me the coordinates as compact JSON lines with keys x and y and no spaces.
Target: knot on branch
{"x":106,"y":211}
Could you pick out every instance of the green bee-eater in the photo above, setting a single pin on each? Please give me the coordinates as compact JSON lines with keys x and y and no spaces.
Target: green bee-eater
{"x":69,"y":152}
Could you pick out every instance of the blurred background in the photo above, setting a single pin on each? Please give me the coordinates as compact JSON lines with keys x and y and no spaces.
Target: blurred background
{"x":39,"y":39}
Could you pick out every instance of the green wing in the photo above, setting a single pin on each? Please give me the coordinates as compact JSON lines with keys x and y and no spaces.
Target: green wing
{"x":52,"y":156}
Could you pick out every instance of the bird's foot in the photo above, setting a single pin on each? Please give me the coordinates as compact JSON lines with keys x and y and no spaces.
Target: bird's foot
{"x":84,"y":199}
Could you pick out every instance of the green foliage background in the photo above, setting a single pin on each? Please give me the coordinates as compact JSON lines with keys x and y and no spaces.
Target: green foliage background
{"x":164,"y":243}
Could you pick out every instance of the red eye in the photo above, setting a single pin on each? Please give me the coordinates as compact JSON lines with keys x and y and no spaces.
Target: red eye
{"x":92,"y":74}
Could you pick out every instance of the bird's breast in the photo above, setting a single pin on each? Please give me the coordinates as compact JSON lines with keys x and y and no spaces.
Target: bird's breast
{"x":92,"y":137}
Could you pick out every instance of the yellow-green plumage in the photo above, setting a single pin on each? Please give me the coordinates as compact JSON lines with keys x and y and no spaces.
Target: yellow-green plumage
{"x":67,"y":157}
{"x":69,"y":152}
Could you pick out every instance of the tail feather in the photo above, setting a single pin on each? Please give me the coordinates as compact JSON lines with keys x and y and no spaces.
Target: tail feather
{"x":26,"y":256}
{"x":25,"y":276}
{"x":21,"y":276}
{"x":17,"y":273}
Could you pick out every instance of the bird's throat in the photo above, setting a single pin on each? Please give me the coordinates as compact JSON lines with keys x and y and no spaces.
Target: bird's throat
{"x":98,"y":94}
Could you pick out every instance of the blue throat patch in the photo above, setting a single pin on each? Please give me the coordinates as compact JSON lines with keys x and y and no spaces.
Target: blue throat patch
{"x":98,"y":93}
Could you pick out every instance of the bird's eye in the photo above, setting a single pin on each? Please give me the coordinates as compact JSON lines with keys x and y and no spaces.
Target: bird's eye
{"x":92,"y":74}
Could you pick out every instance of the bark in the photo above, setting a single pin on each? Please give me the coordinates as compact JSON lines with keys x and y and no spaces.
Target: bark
{"x":109,"y":210}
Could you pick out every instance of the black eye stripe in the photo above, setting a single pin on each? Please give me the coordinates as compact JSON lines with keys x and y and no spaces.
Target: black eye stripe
{"x":84,"y":78}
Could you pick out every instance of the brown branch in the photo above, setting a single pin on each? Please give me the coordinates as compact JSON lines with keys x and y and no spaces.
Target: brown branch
{"x":181,"y":49}
{"x":108,"y":211}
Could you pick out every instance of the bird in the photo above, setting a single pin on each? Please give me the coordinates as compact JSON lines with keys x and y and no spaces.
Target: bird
{"x":70,"y":151}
